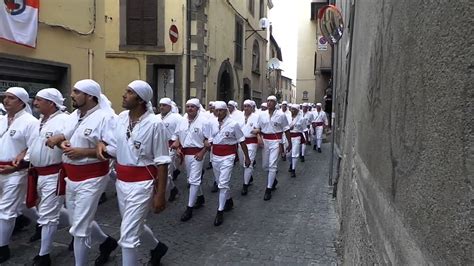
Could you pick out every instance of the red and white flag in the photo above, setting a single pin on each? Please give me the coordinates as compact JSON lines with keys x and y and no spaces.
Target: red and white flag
{"x":19,"y":21}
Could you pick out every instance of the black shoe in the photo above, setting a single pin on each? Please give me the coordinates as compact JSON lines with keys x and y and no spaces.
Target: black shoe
{"x":229,"y":204}
{"x":173,"y":193}
{"x":103,"y":198}
{"x":289,"y":169}
{"x":109,"y":245}
{"x":44,"y":260}
{"x":157,"y":253}
{"x":293,"y":173}
{"x":268,"y":194}
{"x":37,"y":234}
{"x":302,"y":159}
{"x":71,"y":245}
{"x":188,"y":214}
{"x":4,"y":253}
{"x":219,"y":218}
{"x":314,"y":147}
{"x":274,"y":186}
{"x":251,"y":180}
{"x":176,"y":174}
{"x":199,"y":202}
{"x":215,"y":188}
{"x":319,"y":150}
{"x":245,"y":190}
{"x":20,"y":223}
{"x":209,"y":166}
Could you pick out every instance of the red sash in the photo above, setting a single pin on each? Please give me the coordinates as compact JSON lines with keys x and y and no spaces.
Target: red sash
{"x":224,"y":150}
{"x":32,"y":185}
{"x":6,"y":163}
{"x":273,"y":136}
{"x":87,"y":171}
{"x":318,"y":124}
{"x":135,"y":173}
{"x":253,"y":140}
{"x":298,"y":134}
{"x":191,"y":150}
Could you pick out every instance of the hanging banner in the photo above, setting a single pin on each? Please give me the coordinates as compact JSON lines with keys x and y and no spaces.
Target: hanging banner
{"x":19,"y":21}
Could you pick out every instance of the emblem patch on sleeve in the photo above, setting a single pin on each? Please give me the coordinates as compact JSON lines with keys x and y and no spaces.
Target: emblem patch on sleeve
{"x":12,"y":132}
{"x":137,"y":144}
{"x":87,"y":131}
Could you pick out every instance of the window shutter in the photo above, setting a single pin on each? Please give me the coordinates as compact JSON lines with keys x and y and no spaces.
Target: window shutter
{"x":142,"y":22}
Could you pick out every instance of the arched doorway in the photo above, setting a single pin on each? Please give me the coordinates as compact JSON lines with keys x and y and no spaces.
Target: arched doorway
{"x":247,"y":93}
{"x":225,"y":82}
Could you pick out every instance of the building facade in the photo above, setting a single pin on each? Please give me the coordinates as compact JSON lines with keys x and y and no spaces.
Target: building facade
{"x":286,"y":89}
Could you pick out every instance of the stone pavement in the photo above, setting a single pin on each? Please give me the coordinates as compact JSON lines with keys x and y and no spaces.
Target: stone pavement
{"x":296,"y":227}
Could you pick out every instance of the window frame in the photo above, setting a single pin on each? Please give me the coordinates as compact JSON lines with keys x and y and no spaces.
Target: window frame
{"x":256,"y":57}
{"x":239,"y":42}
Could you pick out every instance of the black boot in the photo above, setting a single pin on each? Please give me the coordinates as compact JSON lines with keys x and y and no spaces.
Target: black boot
{"x":289,"y":169}
{"x":215,"y":188}
{"x":176,"y":174}
{"x":314,"y":147}
{"x":44,"y":260}
{"x":229,"y":204}
{"x":293,"y":173}
{"x":302,"y":159}
{"x":245,"y":190}
{"x":37,"y":234}
{"x":20,"y":223}
{"x":219,"y":218}
{"x":71,"y":245}
{"x":188,"y":214}
{"x":157,"y":253}
{"x":319,"y":150}
{"x":275,"y":183}
{"x":173,"y":193}
{"x":4,"y":253}
{"x":268,"y":194}
{"x":199,"y":202}
{"x":109,"y":245}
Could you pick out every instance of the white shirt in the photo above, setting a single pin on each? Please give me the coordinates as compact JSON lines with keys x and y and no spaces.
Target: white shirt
{"x":170,"y":121}
{"x":96,"y":125}
{"x":308,"y":116}
{"x":249,"y":125}
{"x":275,"y":124}
{"x":298,"y":124}
{"x":320,"y":117}
{"x":229,"y":133}
{"x":237,"y":116}
{"x":18,"y":136}
{"x":147,"y":144}
{"x":193,"y":133}
{"x":41,"y":155}
{"x":288,"y":115}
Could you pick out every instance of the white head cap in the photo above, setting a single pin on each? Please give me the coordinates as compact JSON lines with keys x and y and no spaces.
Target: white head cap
{"x":211,"y":103}
{"x":220,"y":105}
{"x":233,"y":103}
{"x":92,"y":88}
{"x":253,"y":103}
{"x":166,"y":101}
{"x":305,"y":104}
{"x":319,"y":104}
{"x":53,"y":95}
{"x":195,"y":102}
{"x":248,"y":102}
{"x":295,"y":106}
{"x":272,"y":98}
{"x":284,"y":102}
{"x":264,"y":105}
{"x":21,"y":94}
{"x":144,"y":91}
{"x":174,"y":108}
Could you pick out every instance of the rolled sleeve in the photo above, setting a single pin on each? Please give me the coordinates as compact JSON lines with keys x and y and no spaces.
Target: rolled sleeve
{"x":160,"y":145}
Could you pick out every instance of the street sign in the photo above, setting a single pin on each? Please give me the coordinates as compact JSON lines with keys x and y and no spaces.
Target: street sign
{"x":322,"y":43}
{"x":174,"y":33}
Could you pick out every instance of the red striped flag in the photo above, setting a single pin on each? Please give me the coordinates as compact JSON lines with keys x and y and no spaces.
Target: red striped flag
{"x":19,"y":21}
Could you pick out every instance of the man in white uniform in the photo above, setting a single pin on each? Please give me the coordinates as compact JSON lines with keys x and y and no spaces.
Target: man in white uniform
{"x":319,"y":122}
{"x":46,"y":164}
{"x":297,"y":126}
{"x":192,"y":137}
{"x":17,"y":130}
{"x":170,"y":120}
{"x":308,"y":117}
{"x":87,"y":176}
{"x":224,"y":149}
{"x":142,"y":155}
{"x":234,"y":112}
{"x":272,"y":124}
{"x":252,"y":140}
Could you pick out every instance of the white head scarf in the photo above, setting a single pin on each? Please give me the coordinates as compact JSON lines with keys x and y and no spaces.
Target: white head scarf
{"x":144,"y":91}
{"x":92,"y":88}
{"x":195,"y":102}
{"x":272,"y":98}
{"x":21,"y":94}
{"x":166,"y":101}
{"x":220,"y":105}
{"x":52,"y":94}
{"x":248,"y":102}
{"x":234,"y":103}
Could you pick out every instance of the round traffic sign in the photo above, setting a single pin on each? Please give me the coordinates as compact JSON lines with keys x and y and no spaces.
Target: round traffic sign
{"x":174,"y":33}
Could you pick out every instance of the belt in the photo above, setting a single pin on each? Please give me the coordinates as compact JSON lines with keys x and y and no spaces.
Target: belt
{"x":86,"y":171}
{"x":224,"y":150}
{"x":191,"y":150}
{"x":32,"y":181}
{"x":295,"y":134}
{"x":48,"y":170}
{"x":253,"y":140}
{"x":318,"y":124}
{"x":135,"y":173}
{"x":273,"y":135}
{"x":6,"y":163}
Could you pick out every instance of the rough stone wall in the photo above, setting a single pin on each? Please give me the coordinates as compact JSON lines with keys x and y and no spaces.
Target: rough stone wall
{"x":405,"y":133}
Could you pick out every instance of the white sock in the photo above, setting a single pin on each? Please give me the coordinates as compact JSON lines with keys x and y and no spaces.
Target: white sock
{"x":6,"y":230}
{"x":193,"y":192}
{"x":97,"y":234}
{"x":222,"y":198}
{"x":319,"y":143}
{"x":47,"y":237}
{"x":303,"y":149}
{"x":80,"y":251}
{"x":293,"y":163}
{"x":129,"y":256}
{"x":271,"y":178}
{"x":148,"y":236}
{"x":247,"y":174}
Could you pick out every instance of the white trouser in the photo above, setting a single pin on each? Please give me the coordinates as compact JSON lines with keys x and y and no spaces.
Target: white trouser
{"x":50,"y":204}
{"x":171,"y":167}
{"x":248,"y":171}
{"x":193,"y":169}
{"x":222,"y":167}
{"x":134,"y":201}
{"x":271,"y":150}
{"x":82,"y":198}
{"x":295,"y":147}
{"x":12,"y":194}
{"x":319,"y":136}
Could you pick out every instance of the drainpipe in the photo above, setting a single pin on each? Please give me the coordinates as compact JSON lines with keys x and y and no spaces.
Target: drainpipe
{"x":188,"y":50}
{"x":90,"y":58}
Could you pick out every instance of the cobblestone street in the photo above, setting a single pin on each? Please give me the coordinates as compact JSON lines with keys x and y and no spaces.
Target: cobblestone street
{"x":297,"y":226}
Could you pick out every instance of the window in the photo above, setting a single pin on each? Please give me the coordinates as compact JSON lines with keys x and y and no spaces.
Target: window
{"x":251,"y":7}
{"x":256,"y":57}
{"x":305,"y":95}
{"x":142,"y":22}
{"x":262,"y":8}
{"x":239,"y":33}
